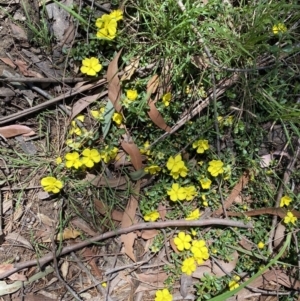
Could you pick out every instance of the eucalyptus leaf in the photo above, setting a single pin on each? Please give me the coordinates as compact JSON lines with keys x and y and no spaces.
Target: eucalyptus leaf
{"x":136,"y":175}
{"x":108,"y":113}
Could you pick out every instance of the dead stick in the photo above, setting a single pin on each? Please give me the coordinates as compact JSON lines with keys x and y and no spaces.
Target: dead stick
{"x":50,"y":102}
{"x":142,"y":226}
{"x":68,"y":80}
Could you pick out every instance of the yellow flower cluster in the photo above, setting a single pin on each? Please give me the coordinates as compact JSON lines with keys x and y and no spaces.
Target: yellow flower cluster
{"x":89,"y":157}
{"x":279,"y":28}
{"x":200,"y":251}
{"x":152,"y":169}
{"x":178,"y":193}
{"x":145,"y":150}
{"x":233,"y":284}
{"x":107,"y":25}
{"x":166,"y":99}
{"x":177,"y":167}
{"x":198,"y":248}
{"x":98,"y":114}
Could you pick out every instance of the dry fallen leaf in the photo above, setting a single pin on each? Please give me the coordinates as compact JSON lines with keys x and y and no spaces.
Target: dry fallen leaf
{"x":234,"y":193}
{"x":65,"y":268}
{"x":91,"y":258}
{"x":279,"y":235}
{"x":152,"y":278}
{"x":120,"y":183}
{"x":84,"y":102}
{"x":133,"y":151}
{"x":46,"y":233}
{"x":46,"y":220}
{"x":211,"y":268}
{"x":130,"y":69}
{"x":114,"y":86}
{"x":162,"y":210}
{"x":15,"y":277}
{"x":8,"y":62}
{"x":104,"y":210}
{"x":16,"y":237}
{"x":16,"y":130}
{"x":157,"y":118}
{"x":82,"y":225}
{"x":148,"y":234}
{"x":128,"y":220}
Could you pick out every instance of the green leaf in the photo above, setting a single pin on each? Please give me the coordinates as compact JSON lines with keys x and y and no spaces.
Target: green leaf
{"x":136,"y":175}
{"x":109,"y":111}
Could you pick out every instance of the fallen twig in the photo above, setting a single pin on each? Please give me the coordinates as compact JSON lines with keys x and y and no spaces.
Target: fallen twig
{"x":53,"y":101}
{"x":158,"y":225}
{"x":68,"y":80}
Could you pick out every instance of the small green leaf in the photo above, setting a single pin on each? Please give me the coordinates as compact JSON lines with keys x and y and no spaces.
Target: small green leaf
{"x":136,"y":175}
{"x":109,"y":111}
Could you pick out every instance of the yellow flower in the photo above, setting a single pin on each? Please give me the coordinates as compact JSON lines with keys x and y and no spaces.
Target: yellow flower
{"x":201,"y":145}
{"x":194,"y":215}
{"x":174,"y":164}
{"x":188,"y":266}
{"x":145,"y":150}
{"x":176,"y":193}
{"x":190,"y":192}
{"x":194,"y":233}
{"x":132,"y":94}
{"x":181,"y":172}
{"x":153,"y":169}
{"x":51,"y":184}
{"x":116,"y":14}
{"x":90,"y":66}
{"x":163,"y":295}
{"x":108,"y":154}
{"x":279,"y":28}
{"x":152,"y":216}
{"x":75,"y":129}
{"x":200,"y":251}
{"x":205,"y":183}
{"x":233,"y":284}
{"x":117,"y":118}
{"x":285,"y":201}
{"x":98,"y":114}
{"x":90,"y":157}
{"x":260,"y":245}
{"x":80,"y":118}
{"x":215,"y":167}
{"x":74,"y":145}
{"x":107,"y":25}
{"x":72,"y":160}
{"x":104,"y":284}
{"x":58,"y":160}
{"x":290,"y":218}
{"x":182,"y":241}
{"x":166,"y":99}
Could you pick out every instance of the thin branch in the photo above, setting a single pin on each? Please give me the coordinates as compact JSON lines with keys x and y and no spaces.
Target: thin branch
{"x":68,"y":80}
{"x":158,"y":225}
